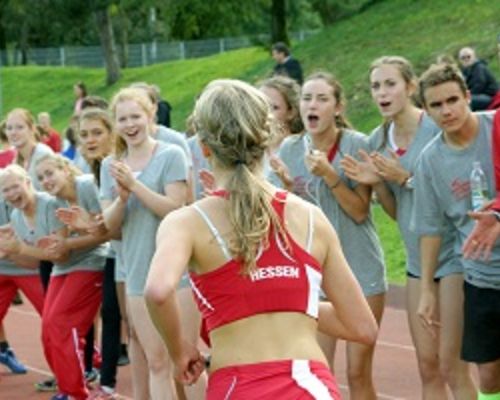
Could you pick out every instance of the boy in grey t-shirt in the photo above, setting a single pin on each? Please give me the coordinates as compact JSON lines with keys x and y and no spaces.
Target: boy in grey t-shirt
{"x":443,"y":196}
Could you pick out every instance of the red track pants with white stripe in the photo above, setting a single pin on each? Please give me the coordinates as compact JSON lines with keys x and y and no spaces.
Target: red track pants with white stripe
{"x":71,"y":304}
{"x":30,"y":285}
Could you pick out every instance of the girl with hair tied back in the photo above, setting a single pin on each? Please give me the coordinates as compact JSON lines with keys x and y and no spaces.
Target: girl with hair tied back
{"x":309,"y":164}
{"x":256,"y":268}
{"x":395,"y":146}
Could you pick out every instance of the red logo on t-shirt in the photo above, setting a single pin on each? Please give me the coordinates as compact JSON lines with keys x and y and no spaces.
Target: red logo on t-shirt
{"x":460,"y":189}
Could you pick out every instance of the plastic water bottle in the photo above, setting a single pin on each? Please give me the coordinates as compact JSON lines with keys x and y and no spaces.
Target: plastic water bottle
{"x":478,"y":186}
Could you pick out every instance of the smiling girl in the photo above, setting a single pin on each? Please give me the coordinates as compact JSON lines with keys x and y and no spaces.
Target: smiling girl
{"x":21,"y":132}
{"x":149,"y":178}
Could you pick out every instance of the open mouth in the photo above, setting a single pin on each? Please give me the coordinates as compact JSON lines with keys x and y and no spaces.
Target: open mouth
{"x":16,"y":201}
{"x":384,"y":104}
{"x":312,"y":120}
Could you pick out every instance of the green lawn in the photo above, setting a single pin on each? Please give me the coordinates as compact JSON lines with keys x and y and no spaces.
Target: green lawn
{"x":419,"y":30}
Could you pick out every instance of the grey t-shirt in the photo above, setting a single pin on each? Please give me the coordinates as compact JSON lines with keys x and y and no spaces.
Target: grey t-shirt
{"x":7,"y":267}
{"x":167,"y":165}
{"x":46,"y":222}
{"x":92,"y":259}
{"x":427,"y":130}
{"x":199,"y":163}
{"x":167,"y":135}
{"x":40,"y":151}
{"x":359,"y":242}
{"x":442,"y":196}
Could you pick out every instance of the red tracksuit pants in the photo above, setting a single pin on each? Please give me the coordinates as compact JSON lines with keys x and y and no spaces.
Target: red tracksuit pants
{"x":30,"y":285}
{"x":71,"y":304}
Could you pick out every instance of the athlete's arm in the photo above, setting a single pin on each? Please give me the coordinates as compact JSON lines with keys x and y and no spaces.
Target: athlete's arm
{"x":342,"y":289}
{"x":174,"y":247}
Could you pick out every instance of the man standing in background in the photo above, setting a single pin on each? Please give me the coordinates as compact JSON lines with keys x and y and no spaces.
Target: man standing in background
{"x":285,"y":64}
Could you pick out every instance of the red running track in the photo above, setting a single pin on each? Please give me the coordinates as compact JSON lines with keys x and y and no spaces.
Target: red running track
{"x":395,"y":368}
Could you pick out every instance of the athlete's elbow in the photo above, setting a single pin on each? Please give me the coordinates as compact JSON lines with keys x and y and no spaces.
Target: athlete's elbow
{"x":367,"y":332}
{"x":156,"y":294}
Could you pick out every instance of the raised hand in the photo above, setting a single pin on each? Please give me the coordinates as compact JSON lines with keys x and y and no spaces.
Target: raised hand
{"x":281,"y":171}
{"x":483,"y":237}
{"x":76,"y":218}
{"x":390,"y":168}
{"x":54,"y":245}
{"x":317,"y":163}
{"x":9,"y":243}
{"x":363,"y":171}
{"x":123,"y":174}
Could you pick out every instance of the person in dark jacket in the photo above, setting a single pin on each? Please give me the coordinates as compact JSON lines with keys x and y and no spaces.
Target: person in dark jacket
{"x":285,"y":63}
{"x":480,"y":81}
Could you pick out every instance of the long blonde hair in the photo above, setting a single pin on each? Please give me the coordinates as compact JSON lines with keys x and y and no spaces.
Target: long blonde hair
{"x":61,"y":163}
{"x":130,"y":94}
{"x":234,"y":120}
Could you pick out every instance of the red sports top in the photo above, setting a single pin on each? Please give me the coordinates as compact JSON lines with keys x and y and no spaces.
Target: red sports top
{"x":286,"y":279}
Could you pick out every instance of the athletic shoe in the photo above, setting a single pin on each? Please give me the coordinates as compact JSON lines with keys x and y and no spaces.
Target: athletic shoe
{"x":48,"y":385}
{"x":123,"y":358}
{"x":61,"y":396}
{"x":103,"y":394}
{"x":92,"y":375}
{"x":9,"y":359}
{"x":17,"y":300}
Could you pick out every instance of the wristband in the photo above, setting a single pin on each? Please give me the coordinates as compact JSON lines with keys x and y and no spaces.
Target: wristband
{"x":334,"y":185}
{"x":408,"y":183}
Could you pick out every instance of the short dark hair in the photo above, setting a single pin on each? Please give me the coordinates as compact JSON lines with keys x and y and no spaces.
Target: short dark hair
{"x":281,"y":47}
{"x":438,"y":74}
{"x":94,"y":102}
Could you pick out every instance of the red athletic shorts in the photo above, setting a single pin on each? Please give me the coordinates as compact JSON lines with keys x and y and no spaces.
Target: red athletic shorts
{"x":274,"y":380}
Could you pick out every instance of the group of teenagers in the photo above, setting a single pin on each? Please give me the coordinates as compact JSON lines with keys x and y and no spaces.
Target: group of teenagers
{"x":256,"y":232}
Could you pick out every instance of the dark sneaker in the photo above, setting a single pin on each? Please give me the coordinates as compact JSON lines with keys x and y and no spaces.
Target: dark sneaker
{"x":49,"y":385}
{"x":17,"y":300}
{"x":123,"y":358}
{"x":9,"y":359}
{"x":61,"y":396}
{"x":91,"y":376}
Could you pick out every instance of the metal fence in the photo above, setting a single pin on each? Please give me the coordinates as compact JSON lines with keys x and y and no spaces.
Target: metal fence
{"x":140,"y":54}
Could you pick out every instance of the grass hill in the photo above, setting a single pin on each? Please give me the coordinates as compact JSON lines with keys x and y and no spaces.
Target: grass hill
{"x":420,"y":30}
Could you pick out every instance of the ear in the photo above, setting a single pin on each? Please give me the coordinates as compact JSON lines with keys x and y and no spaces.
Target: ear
{"x":339,"y":109}
{"x":205,"y":150}
{"x":468,"y":96}
{"x":411,"y":87}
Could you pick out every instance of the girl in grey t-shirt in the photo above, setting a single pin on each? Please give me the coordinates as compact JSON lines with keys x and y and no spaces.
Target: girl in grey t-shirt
{"x":395,"y":148}
{"x":311,"y":169}
{"x":149,"y":178}
{"x":21,"y":132}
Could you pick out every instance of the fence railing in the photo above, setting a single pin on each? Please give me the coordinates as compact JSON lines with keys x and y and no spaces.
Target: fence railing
{"x":137,"y":55}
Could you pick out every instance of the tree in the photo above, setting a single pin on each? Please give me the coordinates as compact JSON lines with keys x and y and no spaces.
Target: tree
{"x":105,"y":29}
{"x":279,"y":32}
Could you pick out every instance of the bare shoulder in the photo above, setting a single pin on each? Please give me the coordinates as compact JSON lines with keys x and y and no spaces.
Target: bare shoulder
{"x":187,"y":218}
{"x":179,"y":220}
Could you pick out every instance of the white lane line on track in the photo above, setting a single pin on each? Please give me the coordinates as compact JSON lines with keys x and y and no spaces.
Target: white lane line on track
{"x":49,"y":374}
{"x":379,"y":395}
{"x":395,"y":345}
{"x":379,"y":342}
